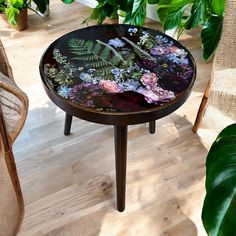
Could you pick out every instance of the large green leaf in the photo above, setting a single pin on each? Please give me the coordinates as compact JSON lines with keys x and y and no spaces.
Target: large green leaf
{"x":219,"y":210}
{"x":153,"y":1}
{"x":11,"y":14}
{"x":218,"y":7}
{"x":171,"y":13}
{"x":136,"y":15}
{"x":199,"y":13}
{"x":210,"y":35}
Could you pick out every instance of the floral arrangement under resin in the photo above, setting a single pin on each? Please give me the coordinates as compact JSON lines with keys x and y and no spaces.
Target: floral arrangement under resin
{"x":97,"y":72}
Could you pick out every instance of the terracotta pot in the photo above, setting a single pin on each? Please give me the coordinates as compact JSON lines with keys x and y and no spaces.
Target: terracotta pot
{"x":21,"y":21}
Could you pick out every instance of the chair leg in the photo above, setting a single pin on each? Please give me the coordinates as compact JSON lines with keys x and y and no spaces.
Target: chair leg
{"x":202,"y":108}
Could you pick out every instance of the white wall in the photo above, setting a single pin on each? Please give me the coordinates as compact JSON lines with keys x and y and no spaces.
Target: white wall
{"x":89,"y":3}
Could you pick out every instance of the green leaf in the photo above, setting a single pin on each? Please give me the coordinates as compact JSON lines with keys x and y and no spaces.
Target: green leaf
{"x":219,"y":210}
{"x":41,"y":5}
{"x":210,"y":35}
{"x":11,"y":14}
{"x":172,"y":12}
{"x":106,"y":8}
{"x":218,"y":7}
{"x":199,"y":13}
{"x":153,"y":1}
{"x":136,"y":15}
{"x":19,"y":4}
{"x":68,"y":1}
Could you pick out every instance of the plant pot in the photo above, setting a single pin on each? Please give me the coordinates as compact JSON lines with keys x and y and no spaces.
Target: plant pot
{"x":21,"y":21}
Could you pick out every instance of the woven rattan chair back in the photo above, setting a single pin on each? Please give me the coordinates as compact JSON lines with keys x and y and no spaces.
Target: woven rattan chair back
{"x":220,"y":93}
{"x":13,"y":111}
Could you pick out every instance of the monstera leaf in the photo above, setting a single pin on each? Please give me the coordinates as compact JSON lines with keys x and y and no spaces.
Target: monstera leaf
{"x":219,"y":210}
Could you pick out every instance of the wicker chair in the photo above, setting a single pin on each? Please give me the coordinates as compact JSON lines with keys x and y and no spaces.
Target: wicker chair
{"x":13,"y":111}
{"x":219,"y":98}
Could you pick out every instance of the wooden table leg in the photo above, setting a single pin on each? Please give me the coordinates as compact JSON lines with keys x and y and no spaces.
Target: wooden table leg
{"x":67,"y":125}
{"x":152,"y":127}
{"x":120,"y":137}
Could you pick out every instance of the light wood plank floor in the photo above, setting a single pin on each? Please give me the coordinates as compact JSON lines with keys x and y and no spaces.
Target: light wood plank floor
{"x":69,"y":183}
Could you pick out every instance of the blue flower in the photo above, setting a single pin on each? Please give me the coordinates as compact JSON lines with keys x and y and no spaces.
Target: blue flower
{"x":117,"y":43}
{"x":64,"y":91}
{"x":129,"y":85}
{"x":133,"y":30}
{"x":86,"y":77}
{"x":117,"y":72}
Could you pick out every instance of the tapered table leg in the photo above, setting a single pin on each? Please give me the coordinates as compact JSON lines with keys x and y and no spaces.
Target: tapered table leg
{"x":120,"y":136}
{"x":67,"y":125}
{"x":152,"y":127}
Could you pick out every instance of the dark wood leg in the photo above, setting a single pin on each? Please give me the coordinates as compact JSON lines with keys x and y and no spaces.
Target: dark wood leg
{"x":152,"y":127}
{"x":120,"y":136}
{"x":67,"y":126}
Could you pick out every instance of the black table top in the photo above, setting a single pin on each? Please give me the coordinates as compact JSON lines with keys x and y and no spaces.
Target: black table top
{"x":117,"y":71}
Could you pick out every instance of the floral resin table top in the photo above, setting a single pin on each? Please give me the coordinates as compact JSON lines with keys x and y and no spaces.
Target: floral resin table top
{"x":117,"y":68}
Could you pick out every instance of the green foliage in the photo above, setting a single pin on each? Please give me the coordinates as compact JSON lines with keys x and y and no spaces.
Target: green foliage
{"x":211,"y":35}
{"x":12,"y":8}
{"x":139,"y":51}
{"x":11,"y":14}
{"x":68,"y":1}
{"x":136,"y":14}
{"x":105,"y":8}
{"x":97,"y":55}
{"x":41,"y":5}
{"x":219,"y":210}
{"x":218,"y":7}
{"x":134,"y":11}
{"x":188,"y":14}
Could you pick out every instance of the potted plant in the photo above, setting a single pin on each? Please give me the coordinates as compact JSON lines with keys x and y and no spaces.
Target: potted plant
{"x":15,"y":11}
{"x":180,"y":14}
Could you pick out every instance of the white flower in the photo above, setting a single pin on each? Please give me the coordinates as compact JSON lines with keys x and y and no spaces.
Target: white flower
{"x":117,"y":43}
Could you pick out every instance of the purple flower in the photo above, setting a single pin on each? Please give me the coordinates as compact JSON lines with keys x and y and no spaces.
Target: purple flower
{"x":158,"y":50}
{"x":158,"y":94}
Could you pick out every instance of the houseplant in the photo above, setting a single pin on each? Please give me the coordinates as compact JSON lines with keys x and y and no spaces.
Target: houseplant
{"x":219,"y":210}
{"x":188,"y":14}
{"x":15,"y":11}
{"x":180,"y":14}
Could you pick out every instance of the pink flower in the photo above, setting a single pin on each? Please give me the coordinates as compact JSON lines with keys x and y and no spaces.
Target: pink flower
{"x":109,"y":86}
{"x":149,"y":79}
{"x":158,"y":94}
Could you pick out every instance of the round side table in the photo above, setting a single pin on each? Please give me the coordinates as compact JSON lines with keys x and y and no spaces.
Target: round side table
{"x":117,"y":75}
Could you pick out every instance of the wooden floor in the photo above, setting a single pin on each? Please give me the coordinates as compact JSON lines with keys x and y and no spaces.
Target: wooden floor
{"x":68,"y":182}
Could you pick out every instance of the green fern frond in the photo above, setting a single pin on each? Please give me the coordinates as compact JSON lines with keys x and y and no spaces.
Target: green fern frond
{"x":117,"y":55}
{"x":96,"y":64}
{"x":95,"y":50}
{"x":141,"y":53}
